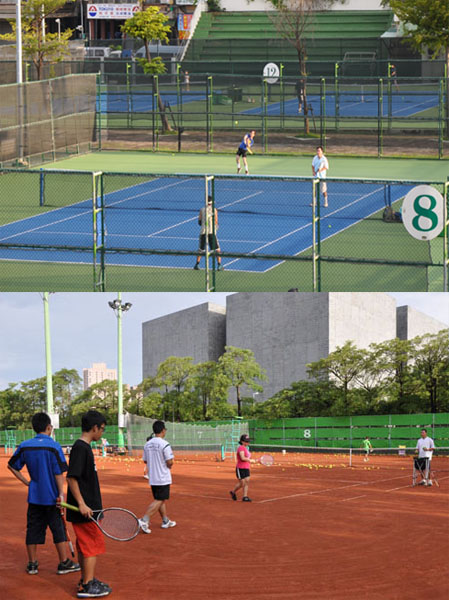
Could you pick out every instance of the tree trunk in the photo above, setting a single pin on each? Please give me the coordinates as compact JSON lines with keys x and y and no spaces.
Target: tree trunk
{"x":239,"y":402}
{"x":300,"y":49}
{"x":165,"y":123}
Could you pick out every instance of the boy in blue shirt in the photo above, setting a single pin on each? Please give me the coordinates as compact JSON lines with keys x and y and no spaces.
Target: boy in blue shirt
{"x":46,"y":464}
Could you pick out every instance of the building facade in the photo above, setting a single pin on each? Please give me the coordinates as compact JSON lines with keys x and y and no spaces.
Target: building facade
{"x":285,"y":331}
{"x":97,"y":373}
{"x":199,"y":332}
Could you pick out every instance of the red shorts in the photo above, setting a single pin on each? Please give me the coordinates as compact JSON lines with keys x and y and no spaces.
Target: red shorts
{"x":89,"y":539}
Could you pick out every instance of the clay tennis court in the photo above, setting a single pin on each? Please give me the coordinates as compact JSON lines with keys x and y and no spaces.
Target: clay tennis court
{"x":311,"y":532}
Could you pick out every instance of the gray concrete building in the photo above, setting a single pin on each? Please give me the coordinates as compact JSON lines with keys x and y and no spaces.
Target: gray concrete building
{"x":411,"y":323}
{"x":199,"y":332}
{"x":286,"y":331}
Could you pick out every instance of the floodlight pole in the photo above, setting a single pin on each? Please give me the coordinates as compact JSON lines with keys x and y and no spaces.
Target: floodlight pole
{"x":48,"y":355}
{"x":118,"y":308}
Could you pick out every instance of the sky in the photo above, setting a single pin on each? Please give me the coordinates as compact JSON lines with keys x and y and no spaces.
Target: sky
{"x":84,"y":328}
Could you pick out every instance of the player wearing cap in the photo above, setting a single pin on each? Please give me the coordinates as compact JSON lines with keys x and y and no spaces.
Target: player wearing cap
{"x":425,"y":448}
{"x":242,"y":469}
{"x":205,"y":222}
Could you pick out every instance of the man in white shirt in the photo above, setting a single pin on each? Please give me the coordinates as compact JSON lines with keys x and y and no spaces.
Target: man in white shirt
{"x":425,"y":448}
{"x":158,"y":456}
{"x":320,"y":165}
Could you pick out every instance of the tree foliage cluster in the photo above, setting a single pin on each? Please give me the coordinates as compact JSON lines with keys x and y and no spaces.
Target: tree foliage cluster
{"x":180,"y":390}
{"x":392,"y":377}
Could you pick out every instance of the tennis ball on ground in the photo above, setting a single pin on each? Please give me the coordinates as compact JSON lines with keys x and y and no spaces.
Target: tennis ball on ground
{"x":236,"y":122}
{"x":329,"y":226}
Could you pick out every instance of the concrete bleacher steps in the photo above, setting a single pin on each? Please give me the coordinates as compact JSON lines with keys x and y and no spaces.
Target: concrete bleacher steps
{"x":252,"y":35}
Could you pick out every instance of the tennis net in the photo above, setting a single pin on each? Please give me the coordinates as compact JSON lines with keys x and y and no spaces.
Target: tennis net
{"x":308,"y":456}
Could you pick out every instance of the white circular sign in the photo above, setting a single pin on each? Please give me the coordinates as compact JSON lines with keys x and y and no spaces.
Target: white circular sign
{"x":271,"y":72}
{"x":422,"y":212}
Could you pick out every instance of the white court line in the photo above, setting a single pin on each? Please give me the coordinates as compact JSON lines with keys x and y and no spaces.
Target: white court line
{"x":343,"y":487}
{"x":310,"y":225}
{"x":353,"y":498}
{"x":196,"y":217}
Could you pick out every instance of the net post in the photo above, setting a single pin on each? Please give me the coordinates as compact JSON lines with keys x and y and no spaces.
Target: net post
{"x":390,"y":99}
{"x":156,"y":113}
{"x":128,"y":94}
{"x":350,"y":457}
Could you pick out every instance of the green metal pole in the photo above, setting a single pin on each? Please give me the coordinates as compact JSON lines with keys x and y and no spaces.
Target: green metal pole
{"x":48,"y":355}
{"x":390,"y":99}
{"x":337,"y":97}
{"x":178,"y":94}
{"x":128,"y":95}
{"x":379,"y":118}
{"x":323,"y":114}
{"x":440,"y":119}
{"x":282,"y":99}
{"x":99,"y":109}
{"x":265,"y":105}
{"x":121,"y":441}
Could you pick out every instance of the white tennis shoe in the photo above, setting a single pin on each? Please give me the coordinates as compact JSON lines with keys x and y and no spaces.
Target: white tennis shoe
{"x":144,"y":526}
{"x":168,"y":524}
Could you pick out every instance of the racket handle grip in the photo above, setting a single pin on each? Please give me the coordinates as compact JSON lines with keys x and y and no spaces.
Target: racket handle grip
{"x":70,"y":506}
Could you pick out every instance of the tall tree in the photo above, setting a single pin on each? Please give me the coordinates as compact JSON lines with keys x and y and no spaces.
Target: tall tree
{"x":210,"y":385}
{"x":38,"y":45}
{"x":174,"y":373}
{"x":343,"y":366}
{"x":432,"y":363}
{"x":241,"y":368}
{"x":148,"y":25}
{"x":427,"y":27}
{"x":294,"y":21}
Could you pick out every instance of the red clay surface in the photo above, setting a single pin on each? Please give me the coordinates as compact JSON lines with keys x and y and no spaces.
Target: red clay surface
{"x":311,"y":532}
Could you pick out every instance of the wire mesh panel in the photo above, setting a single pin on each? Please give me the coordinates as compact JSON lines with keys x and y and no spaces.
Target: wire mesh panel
{"x":44,"y":119}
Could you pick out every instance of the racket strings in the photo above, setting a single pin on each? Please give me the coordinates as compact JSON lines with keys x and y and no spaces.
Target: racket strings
{"x":118,"y":523}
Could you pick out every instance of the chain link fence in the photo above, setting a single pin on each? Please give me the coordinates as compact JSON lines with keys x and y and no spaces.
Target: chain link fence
{"x":100,"y":231}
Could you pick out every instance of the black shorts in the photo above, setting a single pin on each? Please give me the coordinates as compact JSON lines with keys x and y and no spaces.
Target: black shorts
{"x":40,"y":517}
{"x":421,"y":463}
{"x":161,"y":492}
{"x":212,"y":239}
{"x":241,"y":152}
{"x":242,"y":473}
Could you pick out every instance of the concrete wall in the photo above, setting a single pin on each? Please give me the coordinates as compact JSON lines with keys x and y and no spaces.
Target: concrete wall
{"x":199,"y":332}
{"x":362,"y":317}
{"x":412,"y":322}
{"x":284,"y":330}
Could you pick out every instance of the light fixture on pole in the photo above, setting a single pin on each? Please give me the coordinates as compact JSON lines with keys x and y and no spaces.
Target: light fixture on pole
{"x":118,"y":309}
{"x":48,"y":370}
{"x":58,"y":21}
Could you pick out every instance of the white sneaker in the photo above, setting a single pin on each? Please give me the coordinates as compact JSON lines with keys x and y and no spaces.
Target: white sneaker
{"x":429,"y":483}
{"x":168,"y":524}
{"x":146,"y":476}
{"x":144,"y":526}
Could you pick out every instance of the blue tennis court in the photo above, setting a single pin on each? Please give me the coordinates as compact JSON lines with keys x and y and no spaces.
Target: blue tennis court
{"x":143,"y":101}
{"x":256,"y":215}
{"x":356,"y":105}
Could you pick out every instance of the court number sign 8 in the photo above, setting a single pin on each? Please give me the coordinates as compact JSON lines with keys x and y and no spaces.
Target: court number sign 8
{"x":423,"y":212}
{"x":307,"y":433}
{"x":271,"y":72}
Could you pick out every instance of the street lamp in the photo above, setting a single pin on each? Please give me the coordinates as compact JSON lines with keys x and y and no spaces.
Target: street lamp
{"x":118,"y":309}
{"x":58,"y":21}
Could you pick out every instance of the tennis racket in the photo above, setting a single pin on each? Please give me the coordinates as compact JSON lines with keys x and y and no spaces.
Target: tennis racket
{"x":69,"y":541}
{"x":116,"y":523}
{"x":266,"y":460}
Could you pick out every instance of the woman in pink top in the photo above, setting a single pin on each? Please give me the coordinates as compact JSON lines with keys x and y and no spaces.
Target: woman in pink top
{"x":242,"y":468}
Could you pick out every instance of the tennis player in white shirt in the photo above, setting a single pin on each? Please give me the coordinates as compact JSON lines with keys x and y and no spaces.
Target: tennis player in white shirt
{"x":425,"y":448}
{"x":320,"y":166}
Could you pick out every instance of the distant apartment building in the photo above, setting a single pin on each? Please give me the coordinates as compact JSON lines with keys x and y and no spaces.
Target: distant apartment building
{"x":98,"y":373}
